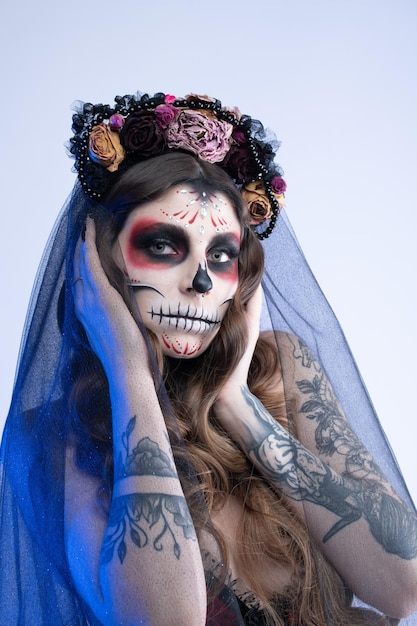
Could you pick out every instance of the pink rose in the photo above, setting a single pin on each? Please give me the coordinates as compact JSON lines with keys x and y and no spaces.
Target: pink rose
{"x":165,"y":114}
{"x":278,"y":185}
{"x":234,"y":111}
{"x":204,"y":136}
{"x":105,"y":147}
{"x":169,"y":99}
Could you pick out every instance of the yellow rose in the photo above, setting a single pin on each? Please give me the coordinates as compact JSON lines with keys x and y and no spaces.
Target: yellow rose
{"x":280,"y":199}
{"x":257,"y":201}
{"x":105,"y":147}
{"x":205,"y":98}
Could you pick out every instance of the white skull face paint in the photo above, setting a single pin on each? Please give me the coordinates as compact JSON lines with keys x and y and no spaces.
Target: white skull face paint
{"x":209,"y":203}
{"x":181,"y":256}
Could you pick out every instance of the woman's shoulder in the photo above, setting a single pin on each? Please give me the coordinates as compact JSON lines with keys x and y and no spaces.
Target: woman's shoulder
{"x":291,"y":351}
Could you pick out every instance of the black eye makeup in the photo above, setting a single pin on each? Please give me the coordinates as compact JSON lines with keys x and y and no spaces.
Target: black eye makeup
{"x":157,"y":242}
{"x":152,"y":243}
{"x":223,"y":251}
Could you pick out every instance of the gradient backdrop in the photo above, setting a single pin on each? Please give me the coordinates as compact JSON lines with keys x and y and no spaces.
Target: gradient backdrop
{"x":335,"y":79}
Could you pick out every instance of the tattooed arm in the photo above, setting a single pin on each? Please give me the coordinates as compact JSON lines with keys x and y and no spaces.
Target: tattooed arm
{"x":359,"y":523}
{"x":139,"y":562}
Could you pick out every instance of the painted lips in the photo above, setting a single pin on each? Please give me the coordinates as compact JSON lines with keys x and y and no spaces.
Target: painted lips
{"x":190,"y":319}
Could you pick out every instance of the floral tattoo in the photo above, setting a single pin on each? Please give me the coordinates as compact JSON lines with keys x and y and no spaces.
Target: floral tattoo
{"x":358,"y":492}
{"x":156,"y":519}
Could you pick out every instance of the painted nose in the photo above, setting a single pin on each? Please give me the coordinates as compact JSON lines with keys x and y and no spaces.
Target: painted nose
{"x":202,"y":281}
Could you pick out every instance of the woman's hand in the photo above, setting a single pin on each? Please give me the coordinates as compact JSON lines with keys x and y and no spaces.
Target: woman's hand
{"x":232,"y":389}
{"x":239,"y":376}
{"x":111,"y":329}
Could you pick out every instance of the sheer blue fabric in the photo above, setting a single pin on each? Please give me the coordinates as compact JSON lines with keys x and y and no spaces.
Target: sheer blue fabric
{"x":35,"y":584}
{"x":296,"y":304}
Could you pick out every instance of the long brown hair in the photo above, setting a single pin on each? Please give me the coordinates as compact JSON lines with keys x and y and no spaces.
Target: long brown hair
{"x":269,"y":528}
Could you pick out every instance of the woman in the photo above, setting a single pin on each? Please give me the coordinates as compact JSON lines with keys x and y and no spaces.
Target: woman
{"x":167,"y":463}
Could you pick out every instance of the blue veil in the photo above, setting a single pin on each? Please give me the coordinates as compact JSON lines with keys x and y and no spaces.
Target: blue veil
{"x":35,"y":583}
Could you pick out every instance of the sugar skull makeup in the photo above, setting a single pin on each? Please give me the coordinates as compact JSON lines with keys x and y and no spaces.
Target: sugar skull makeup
{"x":181,"y":256}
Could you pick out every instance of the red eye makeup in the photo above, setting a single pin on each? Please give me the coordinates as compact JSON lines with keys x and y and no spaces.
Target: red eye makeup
{"x":152,"y":243}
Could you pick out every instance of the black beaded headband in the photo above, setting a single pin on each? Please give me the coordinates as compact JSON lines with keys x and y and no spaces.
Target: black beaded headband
{"x":139,"y":127}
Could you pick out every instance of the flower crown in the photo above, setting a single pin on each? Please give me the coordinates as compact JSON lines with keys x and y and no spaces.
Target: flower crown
{"x":109,"y":139}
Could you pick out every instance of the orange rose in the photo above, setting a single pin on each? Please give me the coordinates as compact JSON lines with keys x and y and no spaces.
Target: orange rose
{"x":280,"y":198}
{"x":105,"y":147}
{"x":205,"y":98}
{"x":257,"y":201}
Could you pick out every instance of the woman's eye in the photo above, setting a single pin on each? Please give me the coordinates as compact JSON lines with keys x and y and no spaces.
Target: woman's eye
{"x":161,"y":248}
{"x":222,"y":255}
{"x":219,"y":256}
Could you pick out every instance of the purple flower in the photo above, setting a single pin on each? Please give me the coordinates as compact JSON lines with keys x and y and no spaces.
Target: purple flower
{"x":202,"y":134}
{"x":141,"y":135}
{"x":165,"y":114}
{"x":239,"y":137}
{"x":239,"y":162}
{"x":278,"y":185}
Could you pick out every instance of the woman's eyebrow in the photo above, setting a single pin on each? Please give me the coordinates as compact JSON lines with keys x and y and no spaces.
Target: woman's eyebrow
{"x":160,"y":229}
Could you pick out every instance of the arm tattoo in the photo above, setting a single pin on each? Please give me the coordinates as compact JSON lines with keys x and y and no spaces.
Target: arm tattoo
{"x":148,"y":518}
{"x":333,"y":434}
{"x":304,"y":477}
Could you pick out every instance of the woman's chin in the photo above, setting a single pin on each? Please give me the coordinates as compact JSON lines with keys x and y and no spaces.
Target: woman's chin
{"x":184,"y":346}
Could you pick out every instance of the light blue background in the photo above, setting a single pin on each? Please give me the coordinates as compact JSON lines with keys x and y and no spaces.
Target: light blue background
{"x":335,"y":79}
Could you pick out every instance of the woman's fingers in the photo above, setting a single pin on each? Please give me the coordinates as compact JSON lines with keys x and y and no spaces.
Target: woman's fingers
{"x":111,"y":329}
{"x":253,"y":315}
{"x":91,"y":270}
{"x":254,"y":305}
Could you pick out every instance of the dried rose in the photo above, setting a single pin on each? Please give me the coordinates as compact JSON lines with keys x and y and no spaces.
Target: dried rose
{"x":280,"y":198}
{"x":105,"y":148}
{"x":141,"y":135}
{"x":205,"y":98}
{"x":239,"y":137}
{"x":257,"y":201}
{"x":165,"y":114}
{"x":208,"y":138}
{"x":207,"y":112}
{"x":234,"y":111}
{"x":278,"y":185}
{"x":239,"y":162}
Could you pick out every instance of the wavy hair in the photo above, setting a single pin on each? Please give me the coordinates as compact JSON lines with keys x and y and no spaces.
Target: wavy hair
{"x":269,"y":529}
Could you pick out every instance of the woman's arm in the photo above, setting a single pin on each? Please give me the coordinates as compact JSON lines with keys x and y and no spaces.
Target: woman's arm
{"x":357,"y":520}
{"x":141,"y":562}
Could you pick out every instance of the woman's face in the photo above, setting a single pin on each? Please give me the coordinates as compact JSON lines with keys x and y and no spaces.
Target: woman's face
{"x":181,"y":257}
